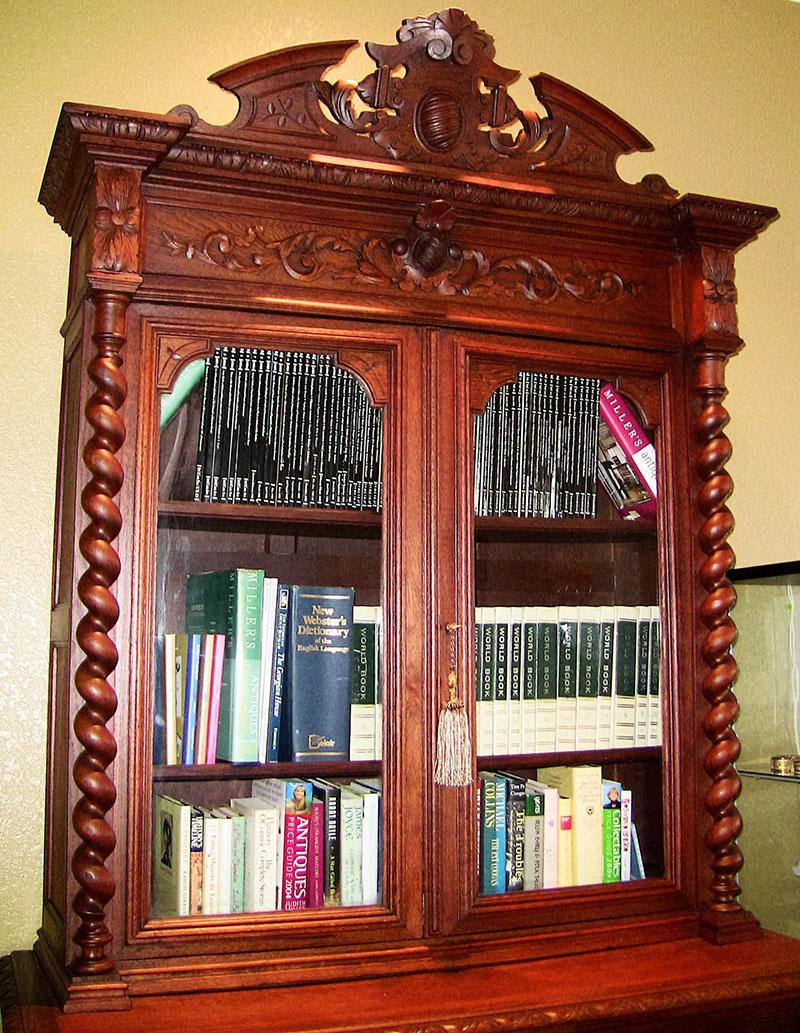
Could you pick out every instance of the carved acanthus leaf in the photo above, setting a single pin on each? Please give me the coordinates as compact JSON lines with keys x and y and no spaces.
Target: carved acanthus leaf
{"x":304,"y":256}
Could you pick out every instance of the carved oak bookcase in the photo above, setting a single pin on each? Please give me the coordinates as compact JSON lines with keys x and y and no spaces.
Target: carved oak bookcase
{"x":436,"y":240}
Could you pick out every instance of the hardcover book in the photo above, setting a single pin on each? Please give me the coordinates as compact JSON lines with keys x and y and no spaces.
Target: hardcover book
{"x":363,"y":684}
{"x":329,"y":795}
{"x":627,"y":459}
{"x":229,"y":602}
{"x":171,"y":863}
{"x":582,"y":784}
{"x":492,"y":832}
{"x":261,"y":853}
{"x":317,"y":700}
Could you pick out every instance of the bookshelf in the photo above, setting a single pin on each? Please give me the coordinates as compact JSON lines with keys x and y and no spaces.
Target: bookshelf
{"x":416,"y":263}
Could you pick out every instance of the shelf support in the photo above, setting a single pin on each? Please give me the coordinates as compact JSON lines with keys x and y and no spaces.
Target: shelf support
{"x":724,"y":920}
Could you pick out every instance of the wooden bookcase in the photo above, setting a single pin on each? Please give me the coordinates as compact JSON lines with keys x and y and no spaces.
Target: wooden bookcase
{"x":436,"y":240}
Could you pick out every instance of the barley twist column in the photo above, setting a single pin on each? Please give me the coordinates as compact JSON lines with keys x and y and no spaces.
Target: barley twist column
{"x":724,"y":919}
{"x":99,"y":747}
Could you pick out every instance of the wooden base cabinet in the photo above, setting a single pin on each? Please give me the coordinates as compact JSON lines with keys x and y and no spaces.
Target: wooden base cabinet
{"x":337,"y":380}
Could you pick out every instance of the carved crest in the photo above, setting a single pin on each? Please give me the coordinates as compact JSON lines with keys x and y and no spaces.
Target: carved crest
{"x":460,"y":109}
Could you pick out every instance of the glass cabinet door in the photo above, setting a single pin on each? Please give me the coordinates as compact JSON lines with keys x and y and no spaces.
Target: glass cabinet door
{"x":562,"y":634}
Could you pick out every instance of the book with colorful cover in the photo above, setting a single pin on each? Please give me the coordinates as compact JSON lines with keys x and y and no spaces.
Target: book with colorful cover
{"x":626,"y":821}
{"x":316,"y":855}
{"x":612,"y":830}
{"x":289,"y":797}
{"x":329,"y":795}
{"x":277,"y":678}
{"x":626,"y":457}
{"x":170,"y":700}
{"x":196,"y":823}
{"x":171,"y":857}
{"x":193,"y":644}
{"x":230,"y":603}
{"x":492,"y":832}
{"x":515,"y":832}
{"x":317,"y":697}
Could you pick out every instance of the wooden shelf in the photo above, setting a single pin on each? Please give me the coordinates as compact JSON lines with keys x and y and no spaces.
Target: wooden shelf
{"x":295,"y":519}
{"x":542,"y":760}
{"x":607,"y":529}
{"x":225,"y":772}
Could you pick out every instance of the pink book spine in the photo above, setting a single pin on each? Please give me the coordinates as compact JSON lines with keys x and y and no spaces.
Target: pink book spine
{"x":316,"y":850}
{"x":296,"y":837}
{"x":633,"y":441}
{"x":217,"y":658}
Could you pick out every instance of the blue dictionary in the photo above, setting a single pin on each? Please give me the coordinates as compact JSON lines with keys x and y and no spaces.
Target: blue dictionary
{"x":316,"y":705}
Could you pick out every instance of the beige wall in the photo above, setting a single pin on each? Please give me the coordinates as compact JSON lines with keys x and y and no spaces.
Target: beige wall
{"x":713,"y":85}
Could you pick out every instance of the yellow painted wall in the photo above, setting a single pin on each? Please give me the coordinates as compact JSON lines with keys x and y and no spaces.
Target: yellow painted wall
{"x":714,"y":85}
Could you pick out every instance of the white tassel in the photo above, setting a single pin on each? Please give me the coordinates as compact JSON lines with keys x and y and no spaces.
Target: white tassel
{"x":453,"y":746}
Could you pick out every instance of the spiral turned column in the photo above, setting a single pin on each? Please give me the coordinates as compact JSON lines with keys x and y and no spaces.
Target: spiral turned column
{"x":99,"y":747}
{"x":724,"y":918}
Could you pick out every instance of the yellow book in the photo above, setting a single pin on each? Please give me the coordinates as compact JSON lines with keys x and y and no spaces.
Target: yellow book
{"x":583,"y":785}
{"x":565,"y":875}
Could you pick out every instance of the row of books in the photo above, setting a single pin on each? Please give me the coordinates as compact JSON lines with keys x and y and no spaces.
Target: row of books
{"x":291,"y":845}
{"x":568,"y":827}
{"x":562,"y":678}
{"x":536,"y":448}
{"x":266,"y":672}
{"x":286,"y":428}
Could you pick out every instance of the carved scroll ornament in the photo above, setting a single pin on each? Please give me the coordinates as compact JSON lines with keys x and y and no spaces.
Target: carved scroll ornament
{"x":426,"y":260}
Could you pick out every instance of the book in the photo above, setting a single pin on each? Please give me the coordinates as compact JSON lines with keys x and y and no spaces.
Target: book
{"x":566,"y":874}
{"x":546,"y":678}
{"x":485,"y":701}
{"x":627,"y":459}
{"x":642,"y":712}
{"x":492,"y":832}
{"x":582,"y":784}
{"x":316,"y":855}
{"x":230,"y":602}
{"x":170,"y":698}
{"x":515,"y":703}
{"x":317,"y":698}
{"x":351,"y":858}
{"x":363,"y":684}
{"x":500,"y":708}
{"x":289,"y":798}
{"x":533,"y":869}
{"x":589,"y":647}
{"x":261,"y":818}
{"x":277,"y":676}
{"x":605,"y":680}
{"x":212,"y":874}
{"x":528,"y":679}
{"x":626,"y":820}
{"x":515,"y":832}
{"x":190,"y":698}
{"x":550,"y":830}
{"x":637,"y":864}
{"x":567,"y":678}
{"x":612,"y":830}
{"x":625,"y":676}
{"x":370,"y":840}
{"x":238,"y":830}
{"x":171,"y":861}
{"x":196,"y":823}
{"x":269,"y":608}
{"x":217,"y":647}
{"x":329,"y":795}
{"x":654,"y":679}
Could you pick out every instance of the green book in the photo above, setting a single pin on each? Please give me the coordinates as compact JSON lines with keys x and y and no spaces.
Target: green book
{"x":171,"y":856}
{"x":363,"y":684}
{"x":588,"y":676}
{"x":567,"y":685}
{"x":546,"y":678}
{"x":612,"y":830}
{"x":492,"y":833}
{"x":625,"y":677}
{"x":229,"y":602}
